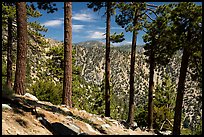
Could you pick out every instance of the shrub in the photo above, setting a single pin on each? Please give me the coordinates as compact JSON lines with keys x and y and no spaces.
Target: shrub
{"x":48,"y":91}
{"x":6,"y":92}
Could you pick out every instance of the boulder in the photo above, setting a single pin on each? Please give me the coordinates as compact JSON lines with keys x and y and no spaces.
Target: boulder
{"x":165,"y":132}
{"x":90,"y":128}
{"x":138,"y":129}
{"x":69,"y":117}
{"x":74,"y":128}
{"x":61,"y":129}
{"x":31,"y":96}
{"x":6,"y":106}
{"x":104,"y":126}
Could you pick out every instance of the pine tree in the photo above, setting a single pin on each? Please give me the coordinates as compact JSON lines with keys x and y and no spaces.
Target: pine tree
{"x":67,"y":83}
{"x":35,"y":40}
{"x":19,"y":85}
{"x":182,"y":33}
{"x":131,"y":17}
{"x":114,"y":38}
{"x":107,"y":66}
{"x":155,"y":30}
{"x":189,"y":33}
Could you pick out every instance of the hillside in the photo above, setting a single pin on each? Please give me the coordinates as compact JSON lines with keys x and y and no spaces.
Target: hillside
{"x":26,"y":115}
{"x":90,"y":56}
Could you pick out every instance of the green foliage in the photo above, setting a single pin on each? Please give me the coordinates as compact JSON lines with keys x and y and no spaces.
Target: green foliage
{"x":48,"y":6}
{"x":115,"y":38}
{"x":141,"y":115}
{"x":164,"y":102}
{"x":36,"y":42}
{"x":186,"y":131}
{"x":165,"y":96}
{"x":56,"y":63}
{"x":128,"y":12}
{"x":47,"y":91}
{"x":6,"y":92}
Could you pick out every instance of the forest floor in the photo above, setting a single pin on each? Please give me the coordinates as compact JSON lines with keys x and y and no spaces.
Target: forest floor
{"x":24,"y":116}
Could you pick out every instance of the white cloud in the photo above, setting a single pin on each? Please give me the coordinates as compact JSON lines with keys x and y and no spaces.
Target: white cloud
{"x":103,"y":28}
{"x":117,"y":28}
{"x":96,"y":35}
{"x":83,"y":17}
{"x":53,"y":23}
{"x":112,"y":28}
{"x":77,"y":28}
{"x":122,"y":43}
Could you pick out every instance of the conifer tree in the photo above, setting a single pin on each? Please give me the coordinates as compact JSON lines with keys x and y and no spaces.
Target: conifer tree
{"x":34,"y":28}
{"x":182,"y":33}
{"x":114,"y":38}
{"x":187,"y":28}
{"x":131,"y":17}
{"x":67,"y":83}
{"x":155,"y":31}
{"x":19,"y":85}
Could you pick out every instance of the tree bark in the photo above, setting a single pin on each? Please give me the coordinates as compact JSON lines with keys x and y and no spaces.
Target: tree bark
{"x":9,"y":55}
{"x":107,"y":67}
{"x":67,"y":81}
{"x":151,"y":86}
{"x":180,"y":93}
{"x":132,"y":69}
{"x":20,"y":75}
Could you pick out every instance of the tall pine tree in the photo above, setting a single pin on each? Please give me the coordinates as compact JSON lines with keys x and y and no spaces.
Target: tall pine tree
{"x":67,"y":83}
{"x":21,"y":14}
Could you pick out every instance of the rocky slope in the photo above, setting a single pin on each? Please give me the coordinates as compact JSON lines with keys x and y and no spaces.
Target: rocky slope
{"x":90,"y":56}
{"x":26,"y":115}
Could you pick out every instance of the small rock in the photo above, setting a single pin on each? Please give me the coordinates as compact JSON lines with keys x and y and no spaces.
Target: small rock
{"x":90,"y":128}
{"x":63,"y":105}
{"x":45,"y":103}
{"x":74,"y":128}
{"x":6,"y":106}
{"x":99,"y":119}
{"x":69,"y":117}
{"x":83,"y":111}
{"x":134,"y":124}
{"x":165,"y":132}
{"x":31,"y":96}
{"x":65,"y":109}
{"x":115,"y":123}
{"x":105,"y":126}
{"x":138,"y":129}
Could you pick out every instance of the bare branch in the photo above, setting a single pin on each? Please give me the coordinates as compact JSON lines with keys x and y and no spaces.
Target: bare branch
{"x":149,"y":17}
{"x":144,"y":30}
{"x":162,"y":125}
{"x":152,"y":11}
{"x":170,"y":122}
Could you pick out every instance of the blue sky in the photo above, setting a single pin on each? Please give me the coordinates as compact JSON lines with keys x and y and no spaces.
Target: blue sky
{"x":86,"y":24}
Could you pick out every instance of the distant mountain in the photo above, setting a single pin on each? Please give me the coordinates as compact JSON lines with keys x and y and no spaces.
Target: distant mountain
{"x":128,"y":47}
{"x":94,"y":43}
{"x":91,"y":43}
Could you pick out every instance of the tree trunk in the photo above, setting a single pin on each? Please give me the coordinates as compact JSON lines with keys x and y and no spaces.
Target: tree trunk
{"x":180,"y":93}
{"x":22,"y":37}
{"x":9,"y":55}
{"x":107,"y":67}
{"x":67,"y":81}
{"x":151,"y":86}
{"x":132,"y":69}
